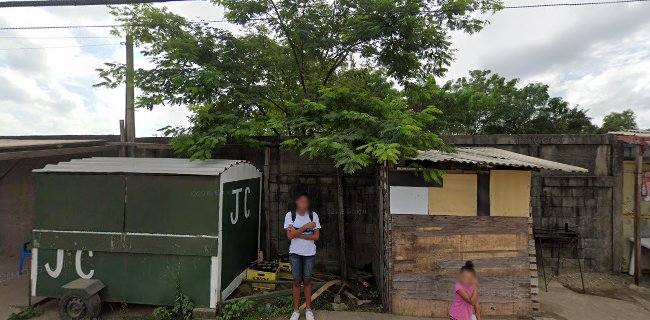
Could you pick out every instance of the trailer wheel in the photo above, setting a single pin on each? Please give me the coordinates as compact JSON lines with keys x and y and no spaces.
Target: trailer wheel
{"x":76,"y":307}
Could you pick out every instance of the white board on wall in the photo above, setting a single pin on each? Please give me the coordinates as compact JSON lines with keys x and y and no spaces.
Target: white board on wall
{"x":409,"y":200}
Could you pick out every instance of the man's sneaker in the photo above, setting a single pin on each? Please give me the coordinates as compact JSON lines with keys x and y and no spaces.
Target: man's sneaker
{"x":296,"y":316}
{"x":309,"y":315}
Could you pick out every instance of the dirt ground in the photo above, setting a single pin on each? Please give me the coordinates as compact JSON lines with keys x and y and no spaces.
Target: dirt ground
{"x":608,"y":297}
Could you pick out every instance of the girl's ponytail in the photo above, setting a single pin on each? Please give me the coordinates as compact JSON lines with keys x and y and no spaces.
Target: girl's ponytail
{"x":469,"y":267}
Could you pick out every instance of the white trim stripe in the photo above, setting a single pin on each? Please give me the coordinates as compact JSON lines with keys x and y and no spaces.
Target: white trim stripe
{"x":129,"y":234}
{"x":213,"y":282}
{"x":34,"y":270}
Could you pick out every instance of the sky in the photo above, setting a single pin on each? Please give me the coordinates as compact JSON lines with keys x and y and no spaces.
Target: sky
{"x":596,"y":57}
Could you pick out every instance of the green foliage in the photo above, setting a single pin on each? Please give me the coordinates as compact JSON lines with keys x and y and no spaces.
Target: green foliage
{"x":619,"y":121}
{"x":316,"y":71}
{"x":374,"y":295}
{"x":246,"y":309}
{"x":486,"y":103}
{"x":25,"y":314}
{"x":181,"y":310}
{"x":183,"y":307}
{"x":240,"y":309}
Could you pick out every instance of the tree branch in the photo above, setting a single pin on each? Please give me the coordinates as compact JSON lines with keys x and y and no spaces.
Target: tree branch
{"x":292,"y":45}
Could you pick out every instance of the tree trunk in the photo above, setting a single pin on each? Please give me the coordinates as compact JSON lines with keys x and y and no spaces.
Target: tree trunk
{"x":341,"y":223}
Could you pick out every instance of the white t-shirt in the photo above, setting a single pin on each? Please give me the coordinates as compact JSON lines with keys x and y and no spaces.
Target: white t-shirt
{"x":301,"y":246}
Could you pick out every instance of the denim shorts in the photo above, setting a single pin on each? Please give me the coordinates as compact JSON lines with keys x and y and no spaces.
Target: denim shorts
{"x":302,"y":267}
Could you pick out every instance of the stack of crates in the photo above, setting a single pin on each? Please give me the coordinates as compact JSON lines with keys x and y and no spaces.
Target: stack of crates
{"x":285,"y":267}
{"x":263,"y":270}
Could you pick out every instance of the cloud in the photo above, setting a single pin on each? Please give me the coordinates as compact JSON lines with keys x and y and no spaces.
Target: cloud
{"x":50,"y":91}
{"x":595,"y":57}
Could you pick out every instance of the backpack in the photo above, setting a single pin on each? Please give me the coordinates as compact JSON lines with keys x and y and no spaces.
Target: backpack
{"x":293,"y":215}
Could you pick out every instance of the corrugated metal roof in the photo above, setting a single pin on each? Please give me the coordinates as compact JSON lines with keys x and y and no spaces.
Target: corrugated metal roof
{"x":633,"y":133}
{"x":487,"y":156}
{"x":211,"y":167}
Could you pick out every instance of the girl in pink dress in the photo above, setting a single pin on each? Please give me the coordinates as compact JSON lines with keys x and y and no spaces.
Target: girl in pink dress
{"x":465,"y":305}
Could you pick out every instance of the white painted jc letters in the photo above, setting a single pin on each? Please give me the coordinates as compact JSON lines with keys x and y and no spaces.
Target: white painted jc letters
{"x":77,"y":264}
{"x":234,"y":216}
{"x":56,"y":272}
{"x":247,"y":212}
{"x":59,"y":265}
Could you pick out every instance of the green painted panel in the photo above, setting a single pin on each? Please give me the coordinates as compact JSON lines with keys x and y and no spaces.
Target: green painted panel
{"x":172,"y":204}
{"x":240,"y":232}
{"x":79,"y":202}
{"x":132,"y":278}
{"x":125,"y":242}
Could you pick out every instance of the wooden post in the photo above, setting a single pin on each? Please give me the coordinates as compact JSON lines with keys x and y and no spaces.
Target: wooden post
{"x":122,"y":139}
{"x":130,"y":95}
{"x":267,"y":200}
{"x":341,"y":223}
{"x":637,"y":213}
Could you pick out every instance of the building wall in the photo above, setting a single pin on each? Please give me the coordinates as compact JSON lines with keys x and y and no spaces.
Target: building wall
{"x":428,"y":251}
{"x":290,"y":174}
{"x":629,"y":179}
{"x":588,"y":202}
{"x":17,"y":198}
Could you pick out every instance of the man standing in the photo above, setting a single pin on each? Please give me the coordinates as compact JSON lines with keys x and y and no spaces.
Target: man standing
{"x":303,"y":229}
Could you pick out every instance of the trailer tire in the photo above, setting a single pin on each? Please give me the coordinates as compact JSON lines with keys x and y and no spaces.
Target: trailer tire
{"x":76,"y":307}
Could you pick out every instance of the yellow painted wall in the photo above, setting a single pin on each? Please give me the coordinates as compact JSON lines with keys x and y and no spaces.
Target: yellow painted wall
{"x":629,"y":168}
{"x":457,"y":197}
{"x":510,"y":193}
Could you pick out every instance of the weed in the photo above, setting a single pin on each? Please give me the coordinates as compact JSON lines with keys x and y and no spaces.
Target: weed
{"x":240,"y":309}
{"x":181,"y":310}
{"x":25,"y":314}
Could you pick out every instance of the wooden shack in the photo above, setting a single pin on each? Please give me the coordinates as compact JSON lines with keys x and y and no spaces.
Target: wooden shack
{"x":480,"y":211}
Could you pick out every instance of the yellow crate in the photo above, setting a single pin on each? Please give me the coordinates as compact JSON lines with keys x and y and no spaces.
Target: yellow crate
{"x":262,"y":275}
{"x":285,"y":266}
{"x":285,"y":271}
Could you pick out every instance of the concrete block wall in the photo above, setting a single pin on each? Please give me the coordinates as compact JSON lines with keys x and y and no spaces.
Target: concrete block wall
{"x":590,"y":202}
{"x":290,"y":174}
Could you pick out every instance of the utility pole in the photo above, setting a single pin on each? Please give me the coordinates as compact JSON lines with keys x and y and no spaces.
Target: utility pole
{"x":130,"y":96}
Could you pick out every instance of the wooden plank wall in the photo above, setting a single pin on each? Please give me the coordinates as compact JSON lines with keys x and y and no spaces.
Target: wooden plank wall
{"x":428,"y":251}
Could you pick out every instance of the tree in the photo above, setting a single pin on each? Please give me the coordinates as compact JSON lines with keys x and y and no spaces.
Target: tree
{"x":316,"y":71}
{"x":619,"y":121}
{"x":487,"y":103}
{"x":313,"y":70}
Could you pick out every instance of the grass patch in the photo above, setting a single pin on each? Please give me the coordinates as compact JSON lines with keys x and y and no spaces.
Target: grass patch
{"x":26,"y":313}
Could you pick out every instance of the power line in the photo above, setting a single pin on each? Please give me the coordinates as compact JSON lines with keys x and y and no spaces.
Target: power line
{"x":65,"y":27}
{"x":58,"y":3}
{"x":531,"y":6}
{"x":61,"y":47}
{"x":58,"y":37}
{"x":572,"y":4}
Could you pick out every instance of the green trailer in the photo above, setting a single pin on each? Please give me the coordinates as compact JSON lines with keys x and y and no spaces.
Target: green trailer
{"x":135,"y":230}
